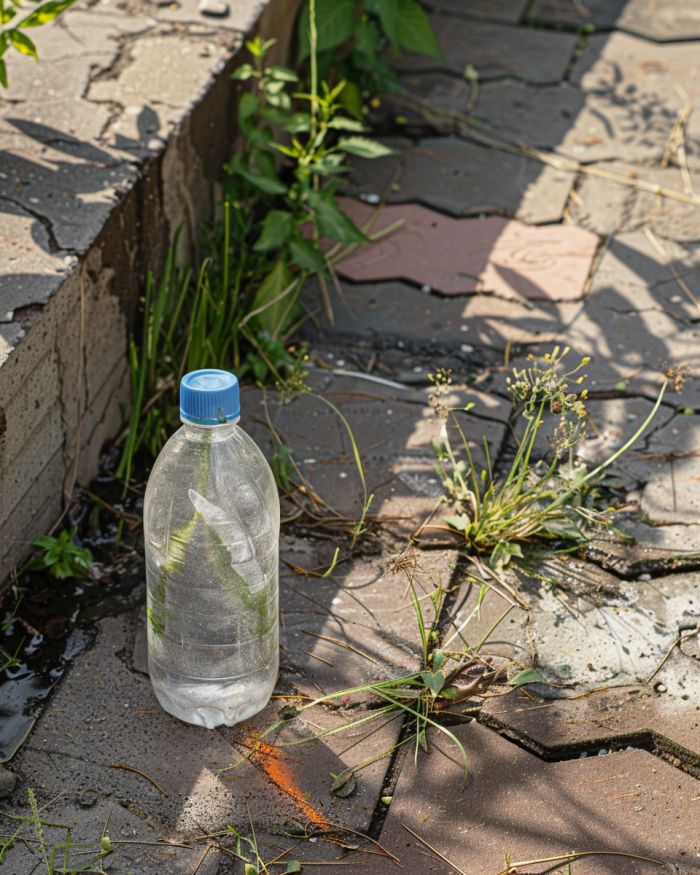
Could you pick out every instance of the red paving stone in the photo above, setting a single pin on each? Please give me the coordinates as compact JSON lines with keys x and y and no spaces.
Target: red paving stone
{"x":514,"y":803}
{"x":457,"y":256}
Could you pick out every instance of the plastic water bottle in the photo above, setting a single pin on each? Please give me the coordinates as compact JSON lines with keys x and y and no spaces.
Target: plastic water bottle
{"x":211,"y":525}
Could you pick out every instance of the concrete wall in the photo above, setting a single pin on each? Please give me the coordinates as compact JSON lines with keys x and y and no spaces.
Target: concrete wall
{"x":115,"y":138}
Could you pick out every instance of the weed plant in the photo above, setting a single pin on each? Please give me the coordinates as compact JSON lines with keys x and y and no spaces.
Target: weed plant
{"x":537,"y":498}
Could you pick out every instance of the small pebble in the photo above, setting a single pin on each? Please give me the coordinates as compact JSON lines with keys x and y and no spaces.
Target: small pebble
{"x":661,"y":688}
{"x":464,"y":328}
{"x":340,"y":363}
{"x":87,"y":798}
{"x":602,"y":752}
{"x":676,"y":299}
{"x":372,"y":199}
{"x":466,"y":348}
{"x":426,"y":289}
{"x":8,"y":780}
{"x":342,"y":475}
{"x":214,"y":8}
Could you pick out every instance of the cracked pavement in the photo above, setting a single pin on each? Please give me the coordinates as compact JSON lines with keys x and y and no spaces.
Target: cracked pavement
{"x":499,"y":255}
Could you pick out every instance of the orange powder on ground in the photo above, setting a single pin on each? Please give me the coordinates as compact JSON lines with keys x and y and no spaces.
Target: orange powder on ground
{"x":271,"y":760}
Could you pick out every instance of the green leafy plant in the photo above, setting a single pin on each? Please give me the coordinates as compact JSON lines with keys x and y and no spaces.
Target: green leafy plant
{"x":536,"y":499}
{"x":312,"y":135}
{"x":16,"y":18}
{"x":61,"y":557}
{"x":353,"y":36}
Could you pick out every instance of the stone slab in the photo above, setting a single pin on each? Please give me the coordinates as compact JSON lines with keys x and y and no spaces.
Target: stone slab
{"x":515,"y":804}
{"x":24,"y":242}
{"x":635,"y":90}
{"x":390,"y":311}
{"x":180,"y":71}
{"x":70,"y":196}
{"x":538,"y":116}
{"x":508,"y":11}
{"x":601,"y":14}
{"x":667,"y":21}
{"x":120,"y":722}
{"x":463,"y":179}
{"x":455,"y":256}
{"x":126,"y":831}
{"x":606,"y":207}
{"x":496,"y":51}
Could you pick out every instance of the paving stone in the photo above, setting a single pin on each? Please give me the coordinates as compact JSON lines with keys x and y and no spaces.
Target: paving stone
{"x":395,"y":311}
{"x":672,"y":491}
{"x":675,"y":20}
{"x":496,"y":51}
{"x":366,"y":608}
{"x":633,"y":99}
{"x":664,"y":713}
{"x":508,"y":11}
{"x":457,"y":177}
{"x":606,"y":207}
{"x":655,"y":549}
{"x":515,"y":804}
{"x":538,"y":116}
{"x":120,"y":721}
{"x":454,"y":256}
{"x":126,"y":831}
{"x":602,"y":14}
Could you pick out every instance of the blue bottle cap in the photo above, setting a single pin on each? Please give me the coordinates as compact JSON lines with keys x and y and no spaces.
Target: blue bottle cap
{"x":210,"y":397}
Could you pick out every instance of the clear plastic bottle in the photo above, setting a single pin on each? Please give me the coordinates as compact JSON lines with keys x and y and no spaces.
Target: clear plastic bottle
{"x":211,"y":525}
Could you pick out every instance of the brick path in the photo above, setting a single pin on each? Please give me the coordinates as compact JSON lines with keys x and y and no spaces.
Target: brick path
{"x":499,"y":254}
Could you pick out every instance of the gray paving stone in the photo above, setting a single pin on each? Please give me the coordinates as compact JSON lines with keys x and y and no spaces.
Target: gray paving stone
{"x":602,"y":14}
{"x":496,"y":51}
{"x":595,"y":634}
{"x":538,"y":116}
{"x":674,"y":20}
{"x":508,"y":11}
{"x":124,"y":829}
{"x":391,"y":311}
{"x":655,"y":549}
{"x":633,"y":99}
{"x":606,"y":207}
{"x":120,"y":722}
{"x":518,"y":805}
{"x":463,"y":179}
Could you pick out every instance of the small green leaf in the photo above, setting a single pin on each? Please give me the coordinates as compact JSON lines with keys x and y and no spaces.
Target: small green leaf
{"x":293,"y":866}
{"x":414,"y":31}
{"x":388,"y":12}
{"x":106,"y":844}
{"x":527,"y":676}
{"x":276,"y":230}
{"x":344,"y":784}
{"x":335,"y":23}
{"x":331,"y":221}
{"x":438,"y":660}
{"x":459,"y":522}
{"x":434,"y":681}
{"x":363,"y":147}
{"x":249,"y":869}
{"x":282,"y":74}
{"x":306,"y":255}
{"x":245,"y":71}
{"x":340,"y":123}
{"x":264,"y":183}
{"x":23,"y":44}
{"x":3,"y":74}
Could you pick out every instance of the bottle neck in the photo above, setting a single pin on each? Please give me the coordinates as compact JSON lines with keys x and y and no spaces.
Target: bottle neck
{"x":209,"y":433}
